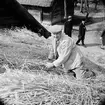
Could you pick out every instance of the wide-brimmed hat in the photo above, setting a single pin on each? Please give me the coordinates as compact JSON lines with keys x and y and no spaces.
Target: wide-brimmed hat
{"x":55,"y":28}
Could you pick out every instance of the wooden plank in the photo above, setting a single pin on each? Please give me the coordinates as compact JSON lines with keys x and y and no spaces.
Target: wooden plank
{"x":41,"y":3}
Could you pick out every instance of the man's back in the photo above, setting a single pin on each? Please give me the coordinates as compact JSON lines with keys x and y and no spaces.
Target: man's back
{"x":82,"y":29}
{"x":68,"y":27}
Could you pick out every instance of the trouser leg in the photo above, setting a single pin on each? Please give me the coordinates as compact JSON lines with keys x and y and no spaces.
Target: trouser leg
{"x":78,"y":41}
{"x":82,"y":41}
{"x":79,"y":73}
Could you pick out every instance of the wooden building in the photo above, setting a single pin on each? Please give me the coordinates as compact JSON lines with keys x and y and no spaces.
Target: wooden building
{"x":42,"y":10}
{"x":51,"y":10}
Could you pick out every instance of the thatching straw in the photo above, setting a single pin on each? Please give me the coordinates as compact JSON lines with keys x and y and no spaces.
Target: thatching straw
{"x":42,"y":3}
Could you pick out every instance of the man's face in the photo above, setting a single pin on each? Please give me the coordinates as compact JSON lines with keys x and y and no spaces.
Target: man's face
{"x":57,"y":35}
{"x":83,"y":22}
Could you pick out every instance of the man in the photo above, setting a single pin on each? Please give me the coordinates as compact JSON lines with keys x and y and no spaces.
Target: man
{"x":82,"y":31}
{"x":68,"y":26}
{"x":69,"y":55}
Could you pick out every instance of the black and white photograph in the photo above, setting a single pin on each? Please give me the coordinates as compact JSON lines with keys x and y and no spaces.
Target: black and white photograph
{"x":52,"y":52}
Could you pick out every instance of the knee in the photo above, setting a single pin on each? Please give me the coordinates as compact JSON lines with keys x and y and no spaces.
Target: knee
{"x":72,"y":73}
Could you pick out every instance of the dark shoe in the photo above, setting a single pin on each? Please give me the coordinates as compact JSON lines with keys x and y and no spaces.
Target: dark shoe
{"x":77,"y":44}
{"x":84,"y":45}
{"x":81,"y":11}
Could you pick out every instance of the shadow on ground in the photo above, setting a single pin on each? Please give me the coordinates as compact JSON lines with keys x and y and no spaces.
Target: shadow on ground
{"x":92,"y":44}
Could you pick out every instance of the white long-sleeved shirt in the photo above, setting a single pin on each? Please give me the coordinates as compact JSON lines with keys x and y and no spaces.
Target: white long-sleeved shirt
{"x":70,"y":56}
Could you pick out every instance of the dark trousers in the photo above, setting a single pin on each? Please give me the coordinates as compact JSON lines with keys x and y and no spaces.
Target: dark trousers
{"x":80,"y":39}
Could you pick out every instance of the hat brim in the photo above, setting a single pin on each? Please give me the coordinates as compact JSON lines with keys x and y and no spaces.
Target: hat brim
{"x":55,"y":29}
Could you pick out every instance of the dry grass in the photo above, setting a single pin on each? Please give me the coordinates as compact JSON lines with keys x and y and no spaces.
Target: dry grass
{"x":26,"y":81}
{"x":42,"y":3}
{"x":24,"y":88}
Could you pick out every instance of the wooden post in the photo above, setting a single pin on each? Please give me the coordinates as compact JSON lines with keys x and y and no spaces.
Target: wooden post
{"x":65,"y":10}
{"x":41,"y":15}
{"x":81,"y":6}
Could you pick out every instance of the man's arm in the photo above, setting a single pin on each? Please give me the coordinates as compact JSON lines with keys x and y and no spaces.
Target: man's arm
{"x":65,"y":51}
{"x":51,"y":53}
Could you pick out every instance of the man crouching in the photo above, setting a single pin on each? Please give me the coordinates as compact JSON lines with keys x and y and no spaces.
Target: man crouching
{"x":65,"y":51}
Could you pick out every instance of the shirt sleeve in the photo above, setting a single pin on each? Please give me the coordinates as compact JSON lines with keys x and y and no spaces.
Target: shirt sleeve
{"x":65,"y":51}
{"x":51,"y":52}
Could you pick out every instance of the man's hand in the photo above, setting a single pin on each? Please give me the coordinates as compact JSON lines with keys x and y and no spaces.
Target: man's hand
{"x":49,"y":65}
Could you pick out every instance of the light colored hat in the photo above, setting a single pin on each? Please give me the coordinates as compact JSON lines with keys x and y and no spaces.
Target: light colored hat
{"x":55,"y":28}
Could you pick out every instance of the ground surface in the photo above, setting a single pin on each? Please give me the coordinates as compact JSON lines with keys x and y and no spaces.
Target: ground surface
{"x":24,"y":81}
